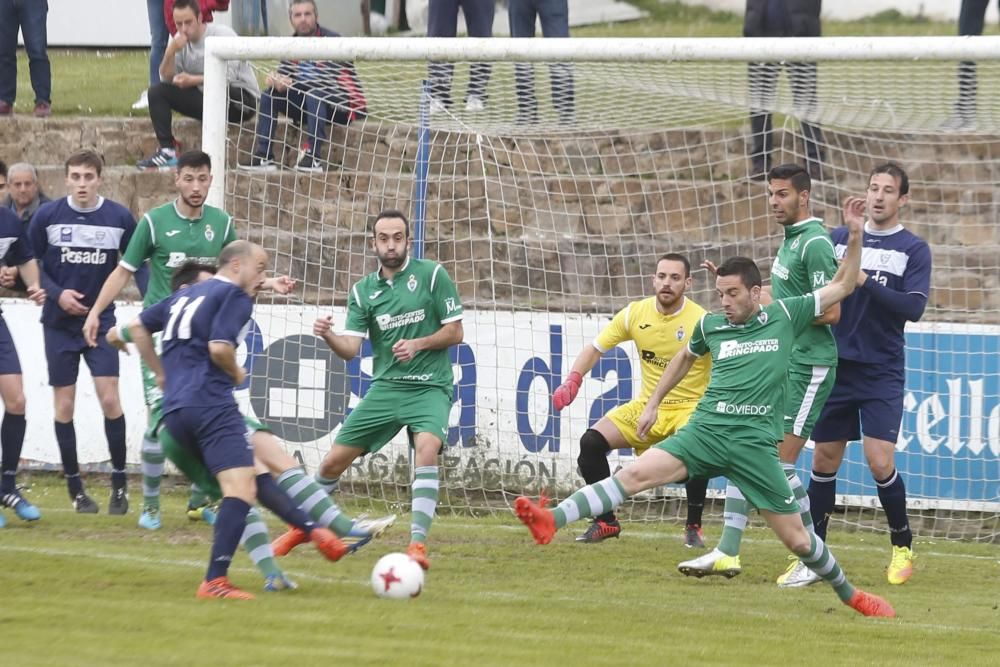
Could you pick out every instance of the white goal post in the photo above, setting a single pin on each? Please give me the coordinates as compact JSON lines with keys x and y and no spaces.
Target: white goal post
{"x":549,"y":226}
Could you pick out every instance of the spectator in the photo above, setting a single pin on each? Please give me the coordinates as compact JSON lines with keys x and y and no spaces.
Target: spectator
{"x":442,"y":21}
{"x":782,"y":18}
{"x":25,"y":196}
{"x":3,"y":180}
{"x":30,"y":17}
{"x":554,"y":15}
{"x":158,"y":37}
{"x":971,"y":20}
{"x":182,"y":74}
{"x":311,"y":93}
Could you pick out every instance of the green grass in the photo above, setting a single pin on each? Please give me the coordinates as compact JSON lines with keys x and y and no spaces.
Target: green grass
{"x":95,"y":590}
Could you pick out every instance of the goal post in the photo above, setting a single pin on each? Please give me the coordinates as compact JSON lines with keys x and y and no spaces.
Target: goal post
{"x":550,"y":223}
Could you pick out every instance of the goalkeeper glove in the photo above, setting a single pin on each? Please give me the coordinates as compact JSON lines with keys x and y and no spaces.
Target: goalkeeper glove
{"x":567,"y":391}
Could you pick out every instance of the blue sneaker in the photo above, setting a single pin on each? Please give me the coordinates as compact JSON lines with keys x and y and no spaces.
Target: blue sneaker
{"x":204,"y":513}
{"x":25,"y":511}
{"x":150,"y":518}
{"x":3,"y":521}
{"x":161,"y":160}
{"x":275,"y":583}
{"x":365,"y":530}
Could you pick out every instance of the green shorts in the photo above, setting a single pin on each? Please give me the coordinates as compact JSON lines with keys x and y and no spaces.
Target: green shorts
{"x":747,"y":457}
{"x":386,"y":409}
{"x":806,"y":391}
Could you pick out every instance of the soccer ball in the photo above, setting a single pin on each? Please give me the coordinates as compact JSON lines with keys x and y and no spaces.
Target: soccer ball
{"x":397,"y":576}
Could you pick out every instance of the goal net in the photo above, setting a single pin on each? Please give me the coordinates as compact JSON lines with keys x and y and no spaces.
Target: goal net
{"x":549,"y":202}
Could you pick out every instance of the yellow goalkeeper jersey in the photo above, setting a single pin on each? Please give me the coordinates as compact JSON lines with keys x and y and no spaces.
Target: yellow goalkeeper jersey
{"x":658,"y":338}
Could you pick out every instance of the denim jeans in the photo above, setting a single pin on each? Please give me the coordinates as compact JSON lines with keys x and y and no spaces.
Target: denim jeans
{"x":158,"y":37}
{"x":442,"y":21}
{"x":554,"y":16}
{"x":30,"y":16}
{"x":312,"y":109}
{"x":971,"y":20}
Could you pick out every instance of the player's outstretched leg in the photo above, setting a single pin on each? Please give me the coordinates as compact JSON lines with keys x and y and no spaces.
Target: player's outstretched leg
{"x":424,"y":505}
{"x":591,"y":500}
{"x":151,"y":463}
{"x":797,"y":575}
{"x":695,"y":491}
{"x":273,"y":498}
{"x":724,"y":560}
{"x":594,"y":467}
{"x":11,"y":443}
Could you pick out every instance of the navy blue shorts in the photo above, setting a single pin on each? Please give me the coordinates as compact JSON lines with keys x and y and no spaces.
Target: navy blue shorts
{"x":9,"y":363}
{"x":865,"y":399}
{"x":217,"y":433}
{"x":63,"y":350}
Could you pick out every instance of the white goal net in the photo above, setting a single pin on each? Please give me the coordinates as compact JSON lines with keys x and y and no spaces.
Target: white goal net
{"x":549,"y":204}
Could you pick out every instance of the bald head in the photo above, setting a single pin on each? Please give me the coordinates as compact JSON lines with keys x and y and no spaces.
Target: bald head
{"x":244,"y":263}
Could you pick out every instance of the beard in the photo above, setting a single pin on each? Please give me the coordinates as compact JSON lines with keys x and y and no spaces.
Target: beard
{"x":392,"y":262}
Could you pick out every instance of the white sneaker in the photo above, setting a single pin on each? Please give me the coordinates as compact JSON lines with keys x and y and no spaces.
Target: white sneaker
{"x":142,"y":102}
{"x":714,"y":563}
{"x":798,"y":576}
{"x":474,"y":104}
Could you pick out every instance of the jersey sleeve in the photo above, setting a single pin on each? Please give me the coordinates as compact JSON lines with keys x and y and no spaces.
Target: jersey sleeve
{"x":357,"y":316}
{"x":447,"y":305}
{"x":230,"y":232}
{"x":234,"y":313}
{"x":140,"y":246}
{"x":820,"y":261}
{"x":697,"y":345}
{"x":128,"y":224}
{"x":801,"y":310}
{"x":38,"y":234}
{"x":615,"y":332}
{"x":917,"y":277}
{"x":154,"y":318}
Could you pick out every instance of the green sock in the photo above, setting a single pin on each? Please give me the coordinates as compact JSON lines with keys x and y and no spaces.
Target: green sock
{"x":801,"y":496}
{"x":151,"y":463}
{"x":424,"y":503}
{"x":314,"y":501}
{"x":258,"y":544}
{"x":734,"y":513}
{"x":821,"y":561}
{"x":197,"y":497}
{"x":592,"y":500}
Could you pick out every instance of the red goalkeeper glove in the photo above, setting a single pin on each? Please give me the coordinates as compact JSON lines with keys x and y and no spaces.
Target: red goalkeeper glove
{"x":567,"y":391}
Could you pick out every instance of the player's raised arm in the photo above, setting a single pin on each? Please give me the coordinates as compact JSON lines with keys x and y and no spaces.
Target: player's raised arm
{"x":672,"y":375}
{"x":846,"y":279}
{"x":567,"y":391}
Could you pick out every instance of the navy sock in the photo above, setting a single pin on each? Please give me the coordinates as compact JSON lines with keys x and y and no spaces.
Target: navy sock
{"x":822,"y":496}
{"x":66,"y":437}
{"x":11,"y":442}
{"x":229,"y":526}
{"x":892,"y":494}
{"x":696,"y":490}
{"x":114,"y":430}
{"x":271,"y":496}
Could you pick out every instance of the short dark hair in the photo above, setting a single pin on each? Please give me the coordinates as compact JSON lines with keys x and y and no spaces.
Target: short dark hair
{"x":194,"y":160}
{"x":391,"y":213}
{"x":187,"y":273}
{"x":676,"y":257}
{"x":744,"y":267}
{"x":85,"y":157}
{"x":3,"y":169}
{"x":896,"y":172}
{"x":795,"y":173}
{"x":188,"y":4}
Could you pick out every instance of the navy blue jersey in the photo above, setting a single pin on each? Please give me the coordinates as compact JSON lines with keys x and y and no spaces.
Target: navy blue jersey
{"x":898,"y":263}
{"x":190,"y":319}
{"x":78,"y":249}
{"x":14,"y":247}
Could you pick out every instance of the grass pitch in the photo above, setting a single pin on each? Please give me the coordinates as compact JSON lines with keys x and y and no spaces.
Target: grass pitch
{"x":96,"y":590}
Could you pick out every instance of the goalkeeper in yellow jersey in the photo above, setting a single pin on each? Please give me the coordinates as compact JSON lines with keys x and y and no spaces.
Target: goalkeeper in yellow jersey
{"x":660,"y":326}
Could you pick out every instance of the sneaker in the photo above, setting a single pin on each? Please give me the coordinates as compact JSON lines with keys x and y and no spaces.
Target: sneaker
{"x":150,"y":518}
{"x":161,"y":160}
{"x":693,"y":537}
{"x":3,"y":521}
{"x":474,"y":104}
{"x":284,"y":544}
{"x":118,"y":504}
{"x":308,"y":163}
{"x":328,"y":544}
{"x":418,"y":552}
{"x":25,"y":511}
{"x":83,"y":504}
{"x":714,"y":563}
{"x":539,"y":520}
{"x":365,"y":530}
{"x":600,"y":530}
{"x":6,"y":108}
{"x":142,"y":102}
{"x":206,"y":513}
{"x":259,"y":163}
{"x":797,"y":575}
{"x":221,"y":588}
{"x":274,"y":583}
{"x":42,"y":110}
{"x":901,"y":565}
{"x":870,"y":605}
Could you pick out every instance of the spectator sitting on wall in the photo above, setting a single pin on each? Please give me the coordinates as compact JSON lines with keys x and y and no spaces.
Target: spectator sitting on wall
{"x":24,"y":195}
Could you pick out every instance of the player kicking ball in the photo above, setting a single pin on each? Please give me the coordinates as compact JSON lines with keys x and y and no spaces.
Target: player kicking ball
{"x":733,"y":429}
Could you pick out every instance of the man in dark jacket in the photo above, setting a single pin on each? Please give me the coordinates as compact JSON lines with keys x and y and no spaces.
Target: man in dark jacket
{"x":783,"y":18}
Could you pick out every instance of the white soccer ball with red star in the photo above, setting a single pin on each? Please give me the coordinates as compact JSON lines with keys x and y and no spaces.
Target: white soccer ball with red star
{"x":397,"y":576}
